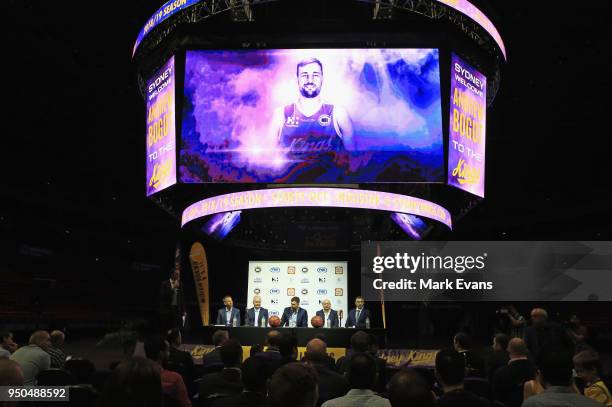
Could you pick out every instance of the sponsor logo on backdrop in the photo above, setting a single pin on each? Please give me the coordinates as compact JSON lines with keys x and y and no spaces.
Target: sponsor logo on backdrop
{"x":322,"y":270}
{"x":322,"y":279}
{"x":305,"y":302}
{"x":257,"y":280}
{"x":338,"y":292}
{"x":258,"y":269}
{"x":304,"y":281}
{"x":273,"y":313}
{"x":257,"y":291}
{"x":339,"y":270}
{"x":275,"y":279}
{"x":304,"y":269}
{"x":274,"y":301}
{"x":290,"y":292}
{"x":304,"y":291}
{"x":291,"y":270}
{"x":321,"y":291}
{"x":274,"y":291}
{"x":274,"y":269}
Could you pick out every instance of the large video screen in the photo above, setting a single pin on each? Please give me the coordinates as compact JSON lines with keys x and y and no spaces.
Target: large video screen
{"x":312,"y":116}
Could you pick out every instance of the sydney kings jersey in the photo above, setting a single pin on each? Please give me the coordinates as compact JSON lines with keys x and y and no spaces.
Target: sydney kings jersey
{"x":310,"y":135}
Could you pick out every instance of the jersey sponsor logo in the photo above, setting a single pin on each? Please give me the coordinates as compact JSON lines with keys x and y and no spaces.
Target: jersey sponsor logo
{"x":292,"y":121}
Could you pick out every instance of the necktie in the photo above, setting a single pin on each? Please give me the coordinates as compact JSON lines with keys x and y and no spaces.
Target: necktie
{"x":357,"y":316}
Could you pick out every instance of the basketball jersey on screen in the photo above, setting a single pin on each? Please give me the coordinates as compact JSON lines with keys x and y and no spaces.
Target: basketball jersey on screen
{"x":310,"y":135}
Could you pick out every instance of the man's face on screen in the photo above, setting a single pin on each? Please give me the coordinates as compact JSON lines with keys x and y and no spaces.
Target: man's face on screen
{"x":359,"y":303}
{"x":326,"y":305}
{"x":257,"y":302}
{"x":227,"y":301}
{"x":310,"y":79}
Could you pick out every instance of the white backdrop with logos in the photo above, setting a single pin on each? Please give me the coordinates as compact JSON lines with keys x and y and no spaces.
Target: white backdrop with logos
{"x":313,"y":281}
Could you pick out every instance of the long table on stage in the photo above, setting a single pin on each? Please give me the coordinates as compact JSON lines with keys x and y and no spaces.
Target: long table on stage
{"x":334,"y":337}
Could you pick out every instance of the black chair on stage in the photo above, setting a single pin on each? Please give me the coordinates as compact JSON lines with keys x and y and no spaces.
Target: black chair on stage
{"x":479,"y":386}
{"x":55,"y":377}
{"x":82,"y":370}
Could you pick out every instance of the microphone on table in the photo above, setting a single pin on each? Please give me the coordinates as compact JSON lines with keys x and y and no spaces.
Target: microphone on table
{"x":340,"y":315}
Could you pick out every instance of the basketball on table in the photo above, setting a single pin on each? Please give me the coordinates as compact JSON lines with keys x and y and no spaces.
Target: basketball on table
{"x":274,"y":321}
{"x":316,"y":321}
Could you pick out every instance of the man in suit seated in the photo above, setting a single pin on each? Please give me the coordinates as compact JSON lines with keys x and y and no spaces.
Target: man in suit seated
{"x":255,"y":374}
{"x":212,"y":360}
{"x":228,"y":315}
{"x":294,"y":316}
{"x":331,"y":384}
{"x":330,"y":316}
{"x":357,"y":316}
{"x":256,"y":316}
{"x":227,"y":382}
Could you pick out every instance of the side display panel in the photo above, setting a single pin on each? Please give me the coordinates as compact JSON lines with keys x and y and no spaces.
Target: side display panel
{"x":276,"y":282}
{"x":161,"y":130}
{"x":312,"y":116}
{"x":467,"y":135}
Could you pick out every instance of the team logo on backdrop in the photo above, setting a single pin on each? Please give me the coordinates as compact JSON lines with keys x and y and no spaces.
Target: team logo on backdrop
{"x":322,"y":270}
{"x":257,"y":291}
{"x":322,"y":279}
{"x":321,"y":291}
{"x":274,"y":291}
{"x":257,"y":280}
{"x":274,"y":269}
{"x":304,"y":269}
{"x":274,"y":301}
{"x":305,"y":302}
{"x":258,"y":269}
{"x":304,"y":281}
{"x":275,"y":279}
{"x":304,"y":291}
{"x":273,"y":313}
{"x":339,"y":270}
{"x":338,"y":292}
{"x":290,"y":292}
{"x":291,"y":270}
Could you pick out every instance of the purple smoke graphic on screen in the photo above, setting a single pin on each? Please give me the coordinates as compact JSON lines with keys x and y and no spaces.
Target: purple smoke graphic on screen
{"x":221,"y":224}
{"x":243,"y":117}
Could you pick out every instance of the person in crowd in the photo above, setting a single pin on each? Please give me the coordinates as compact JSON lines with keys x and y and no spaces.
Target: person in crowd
{"x":329,"y":316}
{"x":157,"y":350}
{"x":577,"y":332}
{"x":134,"y":382}
{"x":362,"y":375}
{"x":359,"y":344}
{"x":213,"y":358}
{"x":543,"y":333}
{"x":295,"y":316}
{"x":450,"y":374}
{"x":288,"y":348}
{"x":408,"y":388}
{"x":255,"y":374}
{"x":295,"y":385}
{"x":331,"y":383}
{"x":381,"y":364}
{"x":498,"y":356}
{"x":358,"y":316}
{"x":513,"y":323}
{"x":34,"y":358}
{"x":272,"y":355}
{"x":588,"y":367}
{"x":172,"y":302}
{"x":474,"y":364}
{"x":508,"y":380}
{"x":228,"y":315}
{"x":555,"y":367}
{"x":10,"y":375}
{"x":227,"y":382}
{"x":179,"y":357}
{"x":256,"y":316}
{"x":255,"y":349}
{"x":58,"y":357}
{"x":7,"y":345}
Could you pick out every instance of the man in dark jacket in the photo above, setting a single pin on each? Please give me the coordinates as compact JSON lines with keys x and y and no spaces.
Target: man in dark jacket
{"x":508,"y":380}
{"x":331,"y":384}
{"x":294,"y":316}
{"x":227,"y":382}
{"x":254,"y":377}
{"x":450,"y":373}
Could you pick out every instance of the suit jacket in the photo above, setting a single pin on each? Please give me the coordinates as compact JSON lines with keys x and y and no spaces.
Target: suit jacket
{"x":227,"y":382}
{"x":244,"y":399}
{"x":212,"y":358}
{"x":249,"y":318}
{"x":222,"y":318}
{"x":301,"y":320}
{"x":508,"y":381}
{"x":551,"y":335}
{"x":165,"y":297}
{"x":350,"y":321}
{"x":331,"y":384}
{"x":334,"y":322}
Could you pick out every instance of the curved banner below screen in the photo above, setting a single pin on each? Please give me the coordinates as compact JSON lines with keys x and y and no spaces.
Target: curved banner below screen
{"x":316,"y":197}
